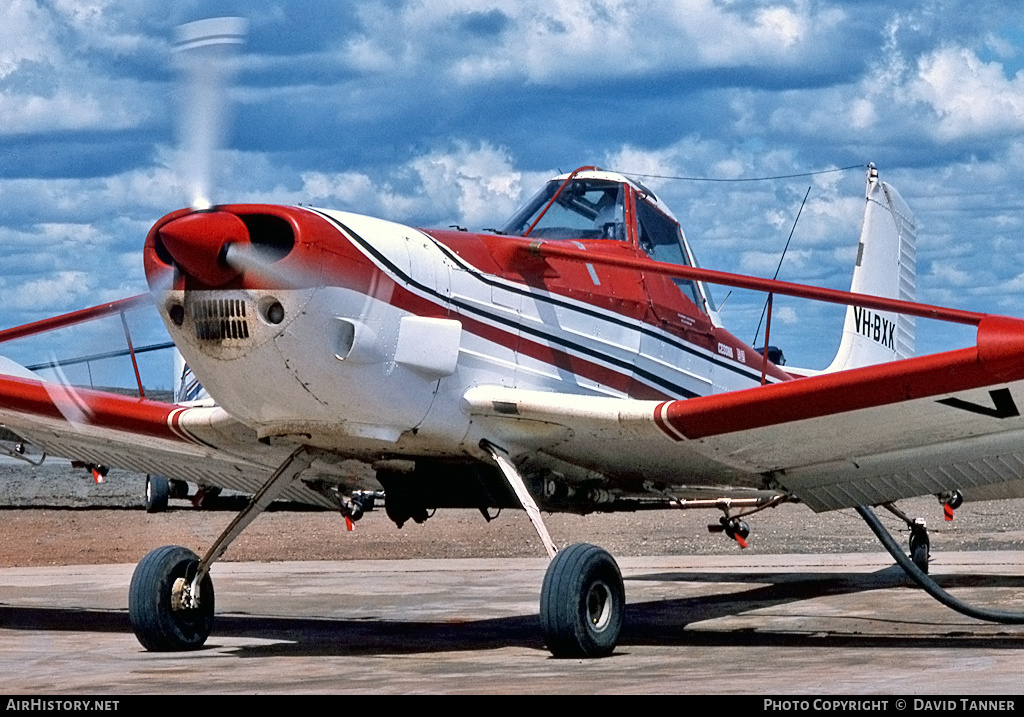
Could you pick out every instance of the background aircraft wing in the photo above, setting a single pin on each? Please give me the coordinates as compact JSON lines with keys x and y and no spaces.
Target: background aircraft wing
{"x":919,"y":426}
{"x":199,"y":444}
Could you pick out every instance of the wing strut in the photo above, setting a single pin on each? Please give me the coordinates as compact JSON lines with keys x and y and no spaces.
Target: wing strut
{"x":515,"y":480}
{"x":927,"y":584}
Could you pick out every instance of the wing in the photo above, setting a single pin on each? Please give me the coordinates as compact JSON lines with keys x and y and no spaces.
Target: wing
{"x":867,"y":436}
{"x":200,"y":444}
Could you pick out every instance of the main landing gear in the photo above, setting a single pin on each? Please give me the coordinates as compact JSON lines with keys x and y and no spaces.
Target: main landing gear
{"x":170,"y":600}
{"x":582,"y":600}
{"x":166,"y":612}
{"x":160,"y":489}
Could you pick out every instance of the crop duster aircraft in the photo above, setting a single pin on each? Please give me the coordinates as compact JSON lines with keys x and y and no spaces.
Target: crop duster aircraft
{"x":571,"y":361}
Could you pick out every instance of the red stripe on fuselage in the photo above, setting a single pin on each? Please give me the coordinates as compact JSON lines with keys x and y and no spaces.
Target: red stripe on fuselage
{"x":620,"y":290}
{"x":406,"y":300}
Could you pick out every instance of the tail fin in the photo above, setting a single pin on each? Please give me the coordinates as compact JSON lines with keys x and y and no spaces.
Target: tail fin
{"x":187,"y":388}
{"x":886,"y":266}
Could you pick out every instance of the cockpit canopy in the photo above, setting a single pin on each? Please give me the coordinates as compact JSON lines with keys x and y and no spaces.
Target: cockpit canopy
{"x":592,"y":204}
{"x":583,"y":209}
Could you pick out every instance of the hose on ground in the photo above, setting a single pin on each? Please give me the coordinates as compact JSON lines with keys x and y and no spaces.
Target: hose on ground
{"x":927,"y":584}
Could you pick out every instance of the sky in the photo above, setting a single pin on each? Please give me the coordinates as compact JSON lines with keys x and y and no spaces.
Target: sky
{"x":437,"y":113}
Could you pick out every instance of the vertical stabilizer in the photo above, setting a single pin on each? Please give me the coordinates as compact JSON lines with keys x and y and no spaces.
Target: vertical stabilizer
{"x":886,"y":266}
{"x":186,"y":386}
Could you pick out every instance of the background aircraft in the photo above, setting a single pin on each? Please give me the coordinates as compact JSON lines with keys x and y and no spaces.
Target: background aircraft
{"x":572,"y":360}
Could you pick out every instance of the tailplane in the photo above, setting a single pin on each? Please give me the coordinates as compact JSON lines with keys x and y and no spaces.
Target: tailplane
{"x":886,"y":267}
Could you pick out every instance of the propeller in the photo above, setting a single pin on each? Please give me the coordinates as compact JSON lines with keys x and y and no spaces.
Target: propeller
{"x":261,"y":262}
{"x":204,"y":54}
{"x":66,"y":397}
{"x":211,"y":245}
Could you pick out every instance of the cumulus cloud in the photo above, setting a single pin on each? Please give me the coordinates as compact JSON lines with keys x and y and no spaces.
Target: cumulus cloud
{"x":566,"y":42}
{"x":787,"y":315}
{"x":49,"y":55}
{"x":24,"y":29}
{"x":471,"y":186}
{"x":950,"y":274}
{"x":969,"y":97}
{"x":52,"y":293}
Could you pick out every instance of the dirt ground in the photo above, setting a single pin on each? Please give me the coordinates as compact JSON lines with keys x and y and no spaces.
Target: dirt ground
{"x":56,"y":515}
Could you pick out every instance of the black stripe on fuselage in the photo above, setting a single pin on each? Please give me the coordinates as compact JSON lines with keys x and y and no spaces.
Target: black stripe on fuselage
{"x":628,"y":366}
{"x":610,"y":318}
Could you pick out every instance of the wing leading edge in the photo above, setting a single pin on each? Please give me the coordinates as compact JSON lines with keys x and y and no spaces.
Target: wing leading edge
{"x":201,"y":444}
{"x":919,"y":426}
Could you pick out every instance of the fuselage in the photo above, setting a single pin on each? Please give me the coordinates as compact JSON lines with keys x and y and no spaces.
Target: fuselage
{"x":362,"y":335}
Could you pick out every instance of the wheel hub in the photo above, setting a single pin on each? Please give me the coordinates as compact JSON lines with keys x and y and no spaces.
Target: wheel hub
{"x":178,"y":595}
{"x":182,"y":598}
{"x":599,"y":605}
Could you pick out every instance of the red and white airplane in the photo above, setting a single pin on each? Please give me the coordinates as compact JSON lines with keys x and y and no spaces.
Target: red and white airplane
{"x":572,"y":361}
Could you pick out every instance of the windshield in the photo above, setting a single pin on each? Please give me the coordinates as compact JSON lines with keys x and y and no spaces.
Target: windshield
{"x":662,"y":240}
{"x":585,"y":209}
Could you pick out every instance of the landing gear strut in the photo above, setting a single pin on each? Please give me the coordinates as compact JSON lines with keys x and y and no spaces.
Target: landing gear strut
{"x":582,"y":600}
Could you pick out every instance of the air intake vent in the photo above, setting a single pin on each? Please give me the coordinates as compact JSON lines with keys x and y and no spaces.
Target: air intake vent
{"x":219,"y":319}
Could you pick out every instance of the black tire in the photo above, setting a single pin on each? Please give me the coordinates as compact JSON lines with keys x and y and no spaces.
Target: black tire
{"x":157,"y":625}
{"x":920,"y":549}
{"x":157,"y":492}
{"x":582,"y":602}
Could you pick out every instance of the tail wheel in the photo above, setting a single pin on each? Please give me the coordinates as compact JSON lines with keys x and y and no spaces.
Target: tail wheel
{"x":920,"y":549}
{"x":160,"y":621}
{"x":582,"y":602}
{"x":158,"y":490}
